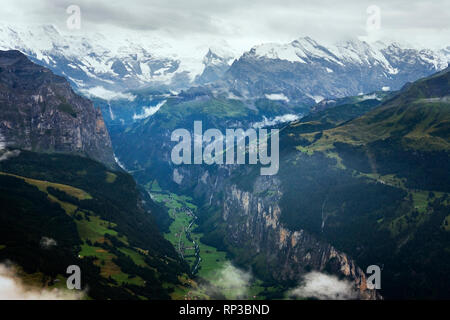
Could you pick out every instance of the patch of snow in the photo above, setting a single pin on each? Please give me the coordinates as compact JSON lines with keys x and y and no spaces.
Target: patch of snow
{"x":276,"y":51}
{"x":438,"y":60}
{"x":316,"y":98}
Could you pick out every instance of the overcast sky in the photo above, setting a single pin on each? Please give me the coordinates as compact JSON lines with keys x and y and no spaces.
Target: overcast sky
{"x":244,"y":23}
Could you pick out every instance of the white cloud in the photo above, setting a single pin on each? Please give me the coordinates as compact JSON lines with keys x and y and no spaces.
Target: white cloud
{"x":277,"y":97}
{"x":12,"y":288}
{"x":2,"y":142}
{"x":47,"y":243}
{"x":148,"y":111}
{"x":324,"y":287}
{"x":231,"y":281}
{"x":105,"y":94}
{"x":278,"y":119}
{"x":9,"y":154}
{"x":232,"y":278}
{"x":243,"y":24}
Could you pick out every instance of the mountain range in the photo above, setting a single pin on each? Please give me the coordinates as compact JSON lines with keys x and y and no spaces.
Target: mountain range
{"x":367,"y":174}
{"x":103,"y":66}
{"x":87,"y":177}
{"x":303,"y":71}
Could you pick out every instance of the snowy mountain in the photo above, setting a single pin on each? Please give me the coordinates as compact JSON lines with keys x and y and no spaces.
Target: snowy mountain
{"x":300,"y":72}
{"x":306,"y":71}
{"x":217,"y":62}
{"x":99,"y":66}
{"x":446,"y":52}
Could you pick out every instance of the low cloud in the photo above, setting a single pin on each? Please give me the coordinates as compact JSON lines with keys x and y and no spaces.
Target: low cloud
{"x":2,"y":142}
{"x":324,"y":287}
{"x":233,"y":279}
{"x":8,"y":154}
{"x":243,"y":23}
{"x":277,"y":97}
{"x":148,"y":111}
{"x":277,"y":120}
{"x":12,"y":288}
{"x":47,"y":243}
{"x":105,"y":94}
{"x":231,"y":282}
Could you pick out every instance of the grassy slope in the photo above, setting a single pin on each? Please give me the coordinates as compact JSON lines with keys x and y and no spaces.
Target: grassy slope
{"x":382,"y":181}
{"x":420,"y":114}
{"x":124,"y":262}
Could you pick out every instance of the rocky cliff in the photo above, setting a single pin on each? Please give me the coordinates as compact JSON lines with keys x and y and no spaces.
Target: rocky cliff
{"x":39,"y":111}
{"x":250,"y":220}
{"x":254,"y":222}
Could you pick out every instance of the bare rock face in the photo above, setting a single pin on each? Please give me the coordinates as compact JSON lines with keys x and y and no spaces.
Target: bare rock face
{"x":39,"y":111}
{"x":253,"y":222}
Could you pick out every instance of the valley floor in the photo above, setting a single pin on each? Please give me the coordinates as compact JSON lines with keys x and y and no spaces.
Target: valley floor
{"x":214,"y":273}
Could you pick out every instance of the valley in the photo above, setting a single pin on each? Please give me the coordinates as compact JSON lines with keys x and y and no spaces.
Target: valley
{"x":88,"y":177}
{"x":207,"y":263}
{"x":360,"y":166}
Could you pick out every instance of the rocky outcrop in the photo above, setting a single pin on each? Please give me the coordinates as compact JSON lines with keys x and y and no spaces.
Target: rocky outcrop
{"x":39,"y":111}
{"x":215,"y":67}
{"x":254,"y":222}
{"x":251,"y":219}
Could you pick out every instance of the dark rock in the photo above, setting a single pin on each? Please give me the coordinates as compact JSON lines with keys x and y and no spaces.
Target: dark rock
{"x":39,"y":111}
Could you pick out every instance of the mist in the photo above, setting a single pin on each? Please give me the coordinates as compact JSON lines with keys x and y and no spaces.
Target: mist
{"x":232,"y":282}
{"x":323,"y":287}
{"x":12,"y":288}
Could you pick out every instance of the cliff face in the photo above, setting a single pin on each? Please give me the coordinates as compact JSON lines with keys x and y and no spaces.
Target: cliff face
{"x":251,"y":221}
{"x":39,"y":111}
{"x":254,"y":222}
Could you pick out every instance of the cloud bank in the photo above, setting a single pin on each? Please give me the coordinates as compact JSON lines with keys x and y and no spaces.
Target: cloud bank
{"x":324,"y":287}
{"x":230,"y":282}
{"x":277,"y":120}
{"x":148,"y":111}
{"x":108,"y":95}
{"x":244,"y":24}
{"x":12,"y":288}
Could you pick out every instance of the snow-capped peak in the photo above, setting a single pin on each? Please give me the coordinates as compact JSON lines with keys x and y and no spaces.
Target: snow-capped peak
{"x":127,"y":61}
{"x":351,"y":52}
